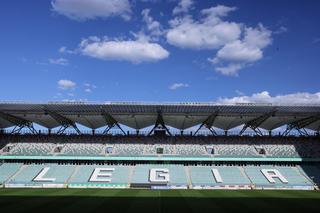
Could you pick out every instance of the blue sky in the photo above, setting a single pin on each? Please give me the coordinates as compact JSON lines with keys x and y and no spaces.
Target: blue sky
{"x":107,"y":50}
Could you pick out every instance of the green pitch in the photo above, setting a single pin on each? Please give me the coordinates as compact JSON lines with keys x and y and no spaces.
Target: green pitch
{"x":99,"y":200}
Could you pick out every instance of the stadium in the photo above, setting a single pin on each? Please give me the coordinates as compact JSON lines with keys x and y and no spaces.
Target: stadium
{"x":159,"y":106}
{"x":160,"y":146}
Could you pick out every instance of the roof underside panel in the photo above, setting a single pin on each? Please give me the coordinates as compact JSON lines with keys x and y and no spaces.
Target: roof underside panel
{"x":5,"y":124}
{"x":229,"y":122}
{"x":92,"y":121}
{"x":41,"y":119}
{"x":275,"y":122}
{"x":183,"y":122}
{"x":314,"y":126}
{"x":136,"y":121}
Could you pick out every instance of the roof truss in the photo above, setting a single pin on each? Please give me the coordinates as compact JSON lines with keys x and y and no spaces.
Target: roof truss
{"x":208,"y":123}
{"x":19,"y":123}
{"x":111,"y":122}
{"x":256,"y":122}
{"x":63,"y":121}
{"x":300,"y":125}
{"x":160,"y":122}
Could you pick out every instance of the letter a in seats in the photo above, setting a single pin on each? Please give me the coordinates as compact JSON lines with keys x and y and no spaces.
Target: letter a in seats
{"x":270,"y":174}
{"x":40,"y":177}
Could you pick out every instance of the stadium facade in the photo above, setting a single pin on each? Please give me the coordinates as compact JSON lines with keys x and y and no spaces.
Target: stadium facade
{"x":159,"y":157}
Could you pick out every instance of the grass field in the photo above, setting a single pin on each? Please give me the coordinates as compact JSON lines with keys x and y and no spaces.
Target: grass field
{"x":99,"y":200}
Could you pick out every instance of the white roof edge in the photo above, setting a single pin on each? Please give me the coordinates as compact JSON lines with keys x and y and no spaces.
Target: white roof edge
{"x":156,"y":103}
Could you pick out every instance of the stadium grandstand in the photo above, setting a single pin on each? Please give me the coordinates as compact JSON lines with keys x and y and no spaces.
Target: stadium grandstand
{"x":159,"y":145}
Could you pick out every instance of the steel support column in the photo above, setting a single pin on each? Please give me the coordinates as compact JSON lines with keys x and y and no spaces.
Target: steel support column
{"x":111,"y":123}
{"x":63,"y":121}
{"x":256,"y":122}
{"x":160,"y":122}
{"x":300,"y":125}
{"x":19,"y":123}
{"x":208,"y":123}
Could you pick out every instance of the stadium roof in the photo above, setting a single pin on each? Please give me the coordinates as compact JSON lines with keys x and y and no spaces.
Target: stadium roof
{"x":177,"y":115}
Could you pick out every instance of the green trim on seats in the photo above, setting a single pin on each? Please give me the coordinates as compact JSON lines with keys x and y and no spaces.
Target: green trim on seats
{"x":156,"y":158}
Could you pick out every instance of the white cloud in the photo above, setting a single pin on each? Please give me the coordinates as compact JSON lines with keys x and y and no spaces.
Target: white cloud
{"x":64,"y":49}
{"x":75,"y":100}
{"x":230,"y":69}
{"x":59,"y":61}
{"x":183,"y":7}
{"x":135,"y":51}
{"x":91,"y":9}
{"x":211,"y":32}
{"x":66,"y":84}
{"x":88,"y":90}
{"x":240,"y":92}
{"x":238,"y":54}
{"x":237,"y":45}
{"x":24,"y":60}
{"x":153,"y":27}
{"x":213,"y":14}
{"x":282,"y":29}
{"x":151,"y":1}
{"x":265,"y":97}
{"x":89,"y":87}
{"x":178,"y":86}
{"x":239,"y":51}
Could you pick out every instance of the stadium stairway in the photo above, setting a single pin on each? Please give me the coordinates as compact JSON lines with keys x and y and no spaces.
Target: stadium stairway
{"x":302,"y":173}
{"x":245,"y":174}
{"x":131,"y":172}
{"x":103,"y":151}
{"x":74,"y":172}
{"x":16,"y":173}
{"x":311,"y":172}
{"x":8,"y":170}
{"x":186,"y":168}
{"x":144,"y":150}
